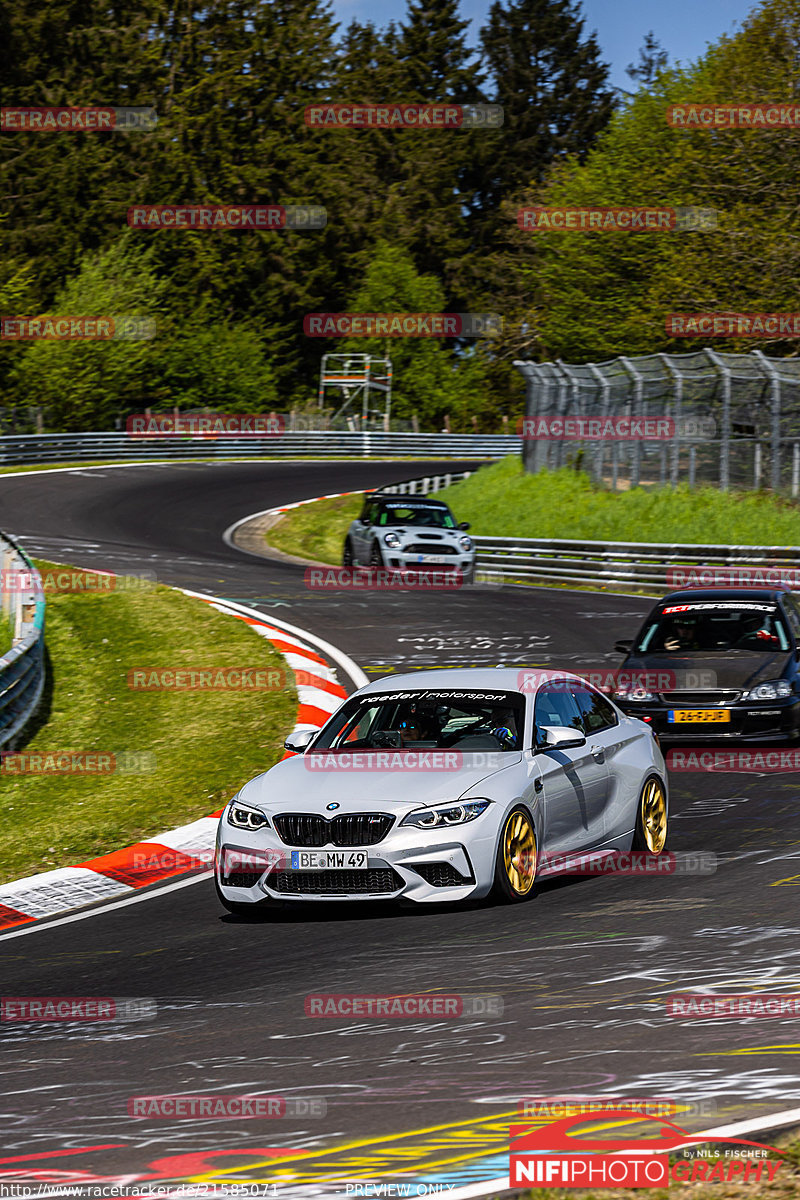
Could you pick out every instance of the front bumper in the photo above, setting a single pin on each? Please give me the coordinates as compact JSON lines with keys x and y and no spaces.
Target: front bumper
{"x":431,"y":868}
{"x":770,"y":720}
{"x":462,"y":561}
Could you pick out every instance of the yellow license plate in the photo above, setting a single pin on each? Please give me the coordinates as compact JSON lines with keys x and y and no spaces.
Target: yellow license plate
{"x":706,"y":716}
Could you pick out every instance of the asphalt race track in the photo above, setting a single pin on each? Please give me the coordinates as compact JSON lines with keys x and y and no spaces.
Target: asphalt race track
{"x":584,"y":969}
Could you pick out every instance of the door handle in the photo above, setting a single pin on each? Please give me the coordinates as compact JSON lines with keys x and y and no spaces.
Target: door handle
{"x":598,"y":753}
{"x":538,"y":785}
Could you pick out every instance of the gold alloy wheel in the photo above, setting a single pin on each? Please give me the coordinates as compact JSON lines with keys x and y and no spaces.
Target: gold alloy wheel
{"x":519,"y":853}
{"x":654,"y":815}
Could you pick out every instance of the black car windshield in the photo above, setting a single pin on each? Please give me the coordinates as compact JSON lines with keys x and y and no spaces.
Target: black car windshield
{"x":417,"y":515}
{"x":714,"y":626}
{"x":463,"y":719}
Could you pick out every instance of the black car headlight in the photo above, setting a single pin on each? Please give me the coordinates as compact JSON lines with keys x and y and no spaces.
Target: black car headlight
{"x":452,"y":814}
{"x":773,"y":689}
{"x":639,"y":695}
{"x":245,"y":816}
{"x":392,"y":541}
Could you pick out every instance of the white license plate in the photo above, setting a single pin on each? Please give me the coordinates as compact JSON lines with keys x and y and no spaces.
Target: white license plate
{"x":329,"y":860}
{"x":434,"y":558}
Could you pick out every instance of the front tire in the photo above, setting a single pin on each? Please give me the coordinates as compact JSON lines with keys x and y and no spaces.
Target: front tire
{"x":347,"y":554}
{"x":516,"y":861}
{"x":651,"y":818}
{"x":375,"y":557}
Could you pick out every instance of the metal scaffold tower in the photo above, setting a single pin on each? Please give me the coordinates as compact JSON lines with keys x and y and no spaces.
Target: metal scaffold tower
{"x":364,"y":382}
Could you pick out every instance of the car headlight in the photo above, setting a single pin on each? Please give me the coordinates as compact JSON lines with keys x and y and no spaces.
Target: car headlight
{"x":775,"y":689}
{"x":466,"y":543}
{"x":391,"y":540}
{"x":638,"y":694}
{"x":453,"y":814}
{"x":245,"y":816}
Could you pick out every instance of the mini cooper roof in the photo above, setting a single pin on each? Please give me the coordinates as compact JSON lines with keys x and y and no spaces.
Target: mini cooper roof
{"x":393,"y":500}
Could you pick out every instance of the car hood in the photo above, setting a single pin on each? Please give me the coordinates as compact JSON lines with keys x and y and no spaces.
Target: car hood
{"x":296,"y":786}
{"x":733,"y":669}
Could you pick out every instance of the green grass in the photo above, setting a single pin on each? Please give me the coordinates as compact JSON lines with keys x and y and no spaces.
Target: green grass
{"x":205,"y":744}
{"x":6,"y":634}
{"x":501,"y":500}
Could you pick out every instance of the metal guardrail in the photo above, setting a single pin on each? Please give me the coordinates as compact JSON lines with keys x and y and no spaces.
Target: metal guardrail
{"x":638,"y":566}
{"x":426,"y":484}
{"x":22,"y":667}
{"x":120,"y":447}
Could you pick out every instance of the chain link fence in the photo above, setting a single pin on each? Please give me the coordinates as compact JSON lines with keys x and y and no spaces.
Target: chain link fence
{"x":728,"y":420}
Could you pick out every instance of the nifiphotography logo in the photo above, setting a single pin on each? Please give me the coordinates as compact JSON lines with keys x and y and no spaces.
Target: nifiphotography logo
{"x":550,"y":1156}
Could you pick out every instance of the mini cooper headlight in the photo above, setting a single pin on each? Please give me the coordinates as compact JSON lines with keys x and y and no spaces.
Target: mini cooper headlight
{"x":244,"y":816}
{"x":391,"y":540}
{"x":466,"y":543}
{"x":774,"y":689}
{"x":453,"y":814}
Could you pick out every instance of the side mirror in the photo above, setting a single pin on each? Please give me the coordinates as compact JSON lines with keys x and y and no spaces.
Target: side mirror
{"x":463,"y":525}
{"x":623,"y":647}
{"x":300,"y":740}
{"x":560,"y":737}
{"x":365,"y":520}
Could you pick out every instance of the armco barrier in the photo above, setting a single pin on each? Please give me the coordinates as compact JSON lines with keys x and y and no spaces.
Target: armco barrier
{"x":121,"y":447}
{"x":22,"y":668}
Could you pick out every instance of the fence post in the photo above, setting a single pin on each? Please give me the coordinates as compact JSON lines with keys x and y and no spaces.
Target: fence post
{"x":677,"y":414}
{"x":600,"y":452}
{"x":795,"y":470}
{"x":724,"y":371}
{"x":638,"y":405}
{"x":775,"y":417}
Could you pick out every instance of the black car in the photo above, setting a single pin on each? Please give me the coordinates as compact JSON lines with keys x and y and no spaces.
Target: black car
{"x":716,"y":664}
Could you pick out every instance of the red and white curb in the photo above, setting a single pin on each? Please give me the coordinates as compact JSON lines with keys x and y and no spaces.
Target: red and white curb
{"x":184,"y":849}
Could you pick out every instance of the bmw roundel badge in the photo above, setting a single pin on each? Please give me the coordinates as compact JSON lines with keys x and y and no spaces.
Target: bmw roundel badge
{"x":331,"y":807}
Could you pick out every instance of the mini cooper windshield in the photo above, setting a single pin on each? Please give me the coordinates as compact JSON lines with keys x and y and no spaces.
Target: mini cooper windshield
{"x":418,"y":515}
{"x":426,"y":720}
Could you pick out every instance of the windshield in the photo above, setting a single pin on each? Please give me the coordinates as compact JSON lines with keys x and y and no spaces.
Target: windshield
{"x":714,"y":627}
{"x":435,"y":720}
{"x":437,"y":518}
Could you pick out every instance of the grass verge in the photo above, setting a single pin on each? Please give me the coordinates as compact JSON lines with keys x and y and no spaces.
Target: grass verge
{"x":502,"y":501}
{"x":204,"y":744}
